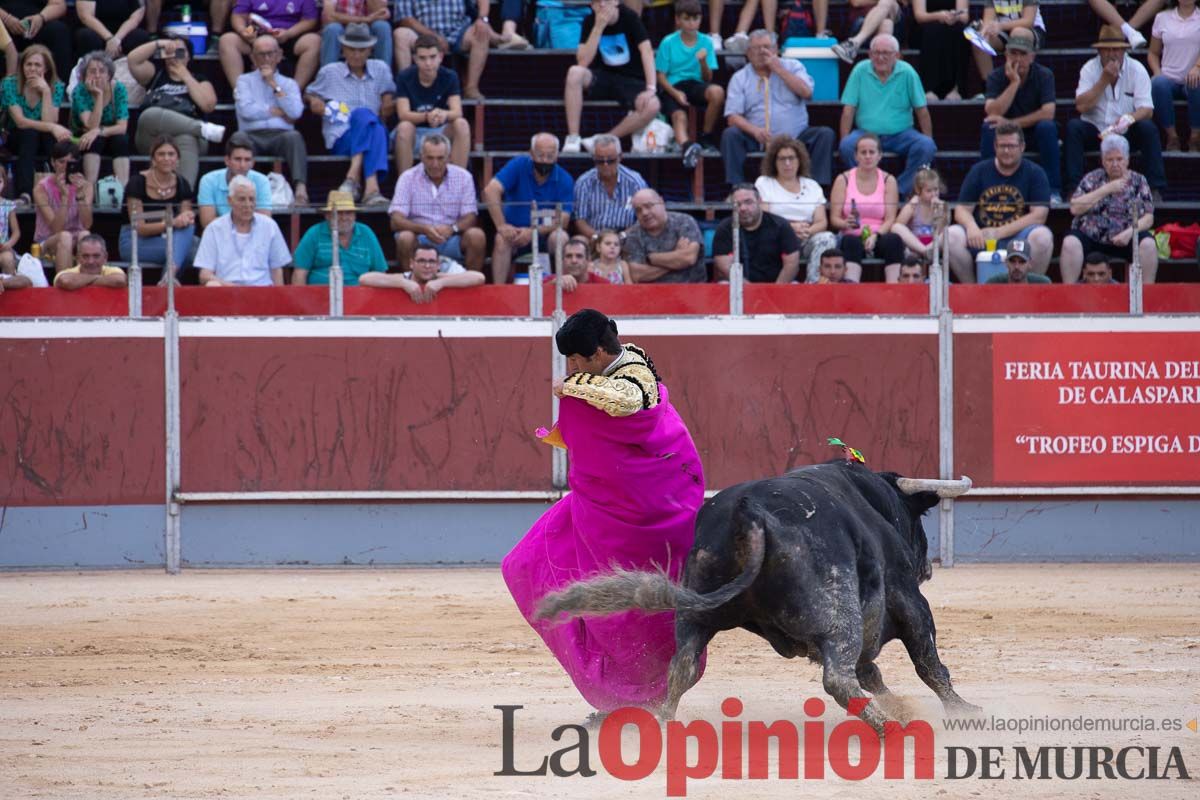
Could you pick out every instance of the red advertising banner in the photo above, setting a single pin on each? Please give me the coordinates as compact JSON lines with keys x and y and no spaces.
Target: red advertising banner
{"x":1096,"y":408}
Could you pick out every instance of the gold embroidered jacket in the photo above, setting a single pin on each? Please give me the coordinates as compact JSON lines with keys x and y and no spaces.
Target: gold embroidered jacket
{"x":631,"y":387}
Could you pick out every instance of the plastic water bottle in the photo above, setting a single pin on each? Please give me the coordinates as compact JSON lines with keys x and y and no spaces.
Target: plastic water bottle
{"x":651,"y":145}
{"x":185,"y":14}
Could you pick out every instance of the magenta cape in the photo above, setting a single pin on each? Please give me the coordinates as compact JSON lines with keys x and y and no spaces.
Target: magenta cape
{"x":636,"y":485}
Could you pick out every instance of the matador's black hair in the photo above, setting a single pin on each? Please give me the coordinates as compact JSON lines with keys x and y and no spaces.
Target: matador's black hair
{"x":585,"y":331}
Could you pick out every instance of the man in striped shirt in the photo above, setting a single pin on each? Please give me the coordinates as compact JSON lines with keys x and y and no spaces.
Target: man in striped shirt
{"x":602,"y":194}
{"x":434,"y":205}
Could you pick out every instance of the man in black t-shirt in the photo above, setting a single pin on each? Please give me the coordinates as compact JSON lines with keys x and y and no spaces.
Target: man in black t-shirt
{"x":429,"y":100}
{"x":1023,"y":91}
{"x":615,"y":62}
{"x":770,"y":251}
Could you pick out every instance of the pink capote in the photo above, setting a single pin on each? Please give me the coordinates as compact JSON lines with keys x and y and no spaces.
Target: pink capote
{"x":636,"y":485}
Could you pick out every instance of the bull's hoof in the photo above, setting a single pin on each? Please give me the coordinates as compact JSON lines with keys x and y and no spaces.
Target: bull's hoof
{"x":963,"y":709}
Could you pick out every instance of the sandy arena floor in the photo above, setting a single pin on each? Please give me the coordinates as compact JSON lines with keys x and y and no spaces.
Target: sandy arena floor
{"x":364,"y":684}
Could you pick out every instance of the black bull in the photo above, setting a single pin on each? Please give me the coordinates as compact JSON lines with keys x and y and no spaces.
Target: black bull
{"x":825,"y":562}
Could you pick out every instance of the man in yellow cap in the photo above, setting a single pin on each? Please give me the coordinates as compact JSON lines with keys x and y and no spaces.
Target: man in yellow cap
{"x":358,"y":249}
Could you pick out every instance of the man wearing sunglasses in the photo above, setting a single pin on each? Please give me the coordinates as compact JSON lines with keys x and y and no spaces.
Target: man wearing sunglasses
{"x":603,"y":193}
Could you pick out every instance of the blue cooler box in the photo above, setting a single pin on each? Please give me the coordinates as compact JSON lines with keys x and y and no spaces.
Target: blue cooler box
{"x":821,"y":64}
{"x":197,"y":32}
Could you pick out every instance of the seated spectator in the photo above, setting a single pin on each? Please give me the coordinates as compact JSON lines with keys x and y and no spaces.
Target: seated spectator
{"x":1018,"y":264}
{"x":1097,"y":269}
{"x":1113,"y":96}
{"x":868,"y":17}
{"x":40,"y":22}
{"x":213,"y":194}
{"x":268,"y":105}
{"x":602,"y":194}
{"x":451,"y":23}
{"x":359,"y":252}
{"x":242,"y":248}
{"x":608,"y":265}
{"x":30,"y":100}
{"x":429,"y":275}
{"x":912,"y":270}
{"x":833,"y":268}
{"x":354,"y":100}
{"x":863,"y":204}
{"x":91,"y":269}
{"x":337,"y":14}
{"x":111,"y":26}
{"x":575,"y":264}
{"x":786,"y":190}
{"x":918,"y":220}
{"x":1145,"y":12}
{"x":524,"y":180}
{"x":435,"y":206}
{"x":1174,"y":60}
{"x":149,"y":192}
{"x":10,"y":235}
{"x":1103,"y":206}
{"x":218,"y":16}
{"x":292,"y":23}
{"x":1002,"y":200}
{"x":100,"y":117}
{"x":768,"y":249}
{"x":625,"y":72}
{"x":63,"y":204}
{"x":511,"y":13}
{"x":996,"y":24}
{"x":1023,"y":91}
{"x":944,"y":51}
{"x":175,"y":101}
{"x":429,"y":101}
{"x":767,"y":98}
{"x":685,"y":63}
{"x":663,"y":246}
{"x":883,"y":96}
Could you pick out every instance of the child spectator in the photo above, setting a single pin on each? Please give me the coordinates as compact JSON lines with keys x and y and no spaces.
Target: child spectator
{"x":685,"y":63}
{"x":917,"y":218}
{"x":608,"y":263}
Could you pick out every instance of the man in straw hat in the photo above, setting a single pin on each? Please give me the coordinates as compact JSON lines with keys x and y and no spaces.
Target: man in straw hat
{"x":358,"y":250}
{"x":636,"y":485}
{"x":1113,"y":96}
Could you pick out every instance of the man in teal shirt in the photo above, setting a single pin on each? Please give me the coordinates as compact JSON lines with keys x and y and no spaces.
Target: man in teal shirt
{"x":358,"y":249}
{"x":882,"y":96}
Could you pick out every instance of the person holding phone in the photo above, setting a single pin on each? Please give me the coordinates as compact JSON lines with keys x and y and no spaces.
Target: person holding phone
{"x":63,"y":202}
{"x":40,"y":22}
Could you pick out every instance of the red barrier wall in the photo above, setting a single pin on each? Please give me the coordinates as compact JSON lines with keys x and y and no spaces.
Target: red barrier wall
{"x":646,"y":300}
{"x":81,"y":421}
{"x":329,"y":414}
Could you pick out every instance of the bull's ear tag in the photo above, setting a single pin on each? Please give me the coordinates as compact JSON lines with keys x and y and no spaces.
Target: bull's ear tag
{"x":850,"y":453}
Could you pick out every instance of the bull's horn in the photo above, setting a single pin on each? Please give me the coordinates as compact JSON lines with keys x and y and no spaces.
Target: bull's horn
{"x":943,"y":488}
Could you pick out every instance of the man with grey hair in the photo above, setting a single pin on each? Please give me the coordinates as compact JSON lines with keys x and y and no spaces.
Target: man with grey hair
{"x":91,"y":269}
{"x":434,"y":205}
{"x":664,"y":246}
{"x":268,"y":104}
{"x":754,"y":115}
{"x":883,"y":95}
{"x":602,"y":194}
{"x":242,"y":248}
{"x":535,"y":178}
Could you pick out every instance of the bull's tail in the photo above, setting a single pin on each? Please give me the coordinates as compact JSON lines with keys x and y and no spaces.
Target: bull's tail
{"x":623,"y":590}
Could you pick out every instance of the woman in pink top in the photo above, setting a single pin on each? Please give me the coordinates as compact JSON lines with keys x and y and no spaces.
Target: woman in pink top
{"x":63,"y":200}
{"x":866,"y":197}
{"x":1174,"y":61}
